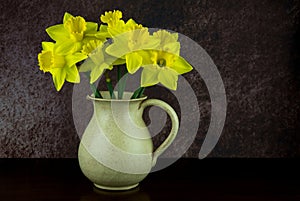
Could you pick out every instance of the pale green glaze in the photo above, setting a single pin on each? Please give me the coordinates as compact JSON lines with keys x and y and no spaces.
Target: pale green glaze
{"x":116,"y":150}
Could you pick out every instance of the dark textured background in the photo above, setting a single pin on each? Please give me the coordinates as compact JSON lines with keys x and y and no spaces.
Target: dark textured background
{"x":253,"y":43}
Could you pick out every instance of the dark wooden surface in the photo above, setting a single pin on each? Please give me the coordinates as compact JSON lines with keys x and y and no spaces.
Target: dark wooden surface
{"x":187,"y":179}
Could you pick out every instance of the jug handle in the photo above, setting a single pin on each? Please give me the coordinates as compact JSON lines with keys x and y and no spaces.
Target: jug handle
{"x":175,"y":125}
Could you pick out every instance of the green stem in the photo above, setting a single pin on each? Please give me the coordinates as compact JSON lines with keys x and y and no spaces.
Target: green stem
{"x":121,"y":80}
{"x":138,"y":93}
{"x":93,"y":88}
{"x":95,"y":91}
{"x":109,"y":85}
{"x":119,"y":83}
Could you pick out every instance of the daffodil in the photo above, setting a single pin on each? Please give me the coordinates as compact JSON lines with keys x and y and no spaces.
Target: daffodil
{"x":162,"y":67}
{"x":62,"y":66}
{"x":112,"y":18}
{"x":115,"y":25}
{"x":113,"y":21}
{"x":127,"y":44}
{"x":71,"y":34}
{"x":98,"y":60}
{"x":168,"y":41}
{"x":120,"y":28}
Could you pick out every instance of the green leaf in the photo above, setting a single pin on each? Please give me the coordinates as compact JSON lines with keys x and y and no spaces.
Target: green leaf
{"x":94,"y":89}
{"x":138,"y":93}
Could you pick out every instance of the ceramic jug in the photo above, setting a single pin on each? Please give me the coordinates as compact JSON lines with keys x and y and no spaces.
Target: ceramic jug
{"x":116,"y":150}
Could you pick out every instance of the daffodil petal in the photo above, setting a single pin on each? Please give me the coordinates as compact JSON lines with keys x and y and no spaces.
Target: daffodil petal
{"x":87,"y":65}
{"x":65,"y":48}
{"x":131,"y":24}
{"x":113,"y":60}
{"x":110,"y":67}
{"x":181,"y":65}
{"x":57,"y":32}
{"x":149,"y":76}
{"x":58,"y":76}
{"x":168,"y":78}
{"x":102,"y":33}
{"x":146,"y":55}
{"x":134,"y":62}
{"x":91,"y":27}
{"x":118,"y":49}
{"x":97,"y":72}
{"x":152,"y":43}
{"x":74,"y":58}
{"x":172,"y":48}
{"x":117,"y":29}
{"x":118,"y":61}
{"x":67,"y":16}
{"x":72,"y":74}
{"x":175,"y":36}
{"x":47,"y":46}
{"x":103,"y":28}
{"x":97,"y":58}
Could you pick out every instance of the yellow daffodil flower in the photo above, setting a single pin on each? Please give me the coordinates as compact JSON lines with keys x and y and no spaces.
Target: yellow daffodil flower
{"x":127,"y":44}
{"x":98,"y":60}
{"x":113,"y":21}
{"x":71,"y":34}
{"x":120,"y":28}
{"x":115,"y":25}
{"x":163,"y":64}
{"x":162,"y":67}
{"x":111,"y":18}
{"x":61,"y":66}
{"x":168,"y":41}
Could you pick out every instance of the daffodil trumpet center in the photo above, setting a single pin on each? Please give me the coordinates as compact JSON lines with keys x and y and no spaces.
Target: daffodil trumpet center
{"x":76,"y":26}
{"x":48,"y":61}
{"x":161,"y":62}
{"x":58,"y":61}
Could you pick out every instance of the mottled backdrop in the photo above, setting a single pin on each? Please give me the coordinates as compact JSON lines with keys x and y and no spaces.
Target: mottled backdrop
{"x":254,"y":44}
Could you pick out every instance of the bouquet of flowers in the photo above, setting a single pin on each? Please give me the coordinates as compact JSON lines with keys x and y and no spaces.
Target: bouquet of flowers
{"x":81,"y":46}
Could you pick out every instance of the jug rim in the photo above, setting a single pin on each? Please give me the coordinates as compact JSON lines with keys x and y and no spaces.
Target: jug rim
{"x":106,"y":97}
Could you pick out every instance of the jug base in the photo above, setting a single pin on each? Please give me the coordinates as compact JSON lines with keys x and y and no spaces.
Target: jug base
{"x":119,"y":188}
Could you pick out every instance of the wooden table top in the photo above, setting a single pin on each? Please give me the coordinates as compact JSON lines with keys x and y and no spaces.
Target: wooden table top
{"x":186,"y":179}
